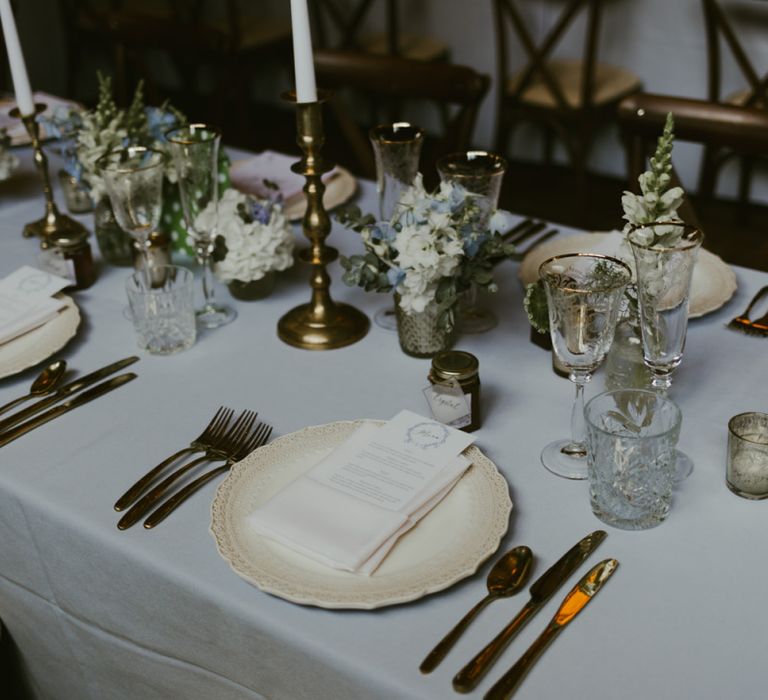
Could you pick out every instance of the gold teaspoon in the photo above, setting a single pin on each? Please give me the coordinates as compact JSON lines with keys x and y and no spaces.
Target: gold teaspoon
{"x":506,"y":578}
{"x":45,"y":383}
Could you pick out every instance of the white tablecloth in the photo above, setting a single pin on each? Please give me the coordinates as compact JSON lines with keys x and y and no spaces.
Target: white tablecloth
{"x":97,"y":613}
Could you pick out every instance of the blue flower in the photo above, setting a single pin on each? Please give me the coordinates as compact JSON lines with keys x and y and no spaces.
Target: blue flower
{"x":395,"y":275}
{"x":261,"y":212}
{"x":158,"y":122}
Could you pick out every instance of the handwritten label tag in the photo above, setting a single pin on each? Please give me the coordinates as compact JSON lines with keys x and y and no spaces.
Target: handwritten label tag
{"x":449,"y":404}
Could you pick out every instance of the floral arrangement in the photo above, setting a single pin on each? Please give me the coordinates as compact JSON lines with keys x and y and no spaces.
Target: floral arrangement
{"x":657,"y":202}
{"x":8,"y":161}
{"x":253,"y":236}
{"x":430,"y":251}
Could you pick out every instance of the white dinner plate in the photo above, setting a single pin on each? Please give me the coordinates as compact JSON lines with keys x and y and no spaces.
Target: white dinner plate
{"x":40,"y":343}
{"x":713,"y":284}
{"x":446,"y":546}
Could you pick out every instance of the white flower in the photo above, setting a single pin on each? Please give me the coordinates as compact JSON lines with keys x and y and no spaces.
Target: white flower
{"x":254,"y":248}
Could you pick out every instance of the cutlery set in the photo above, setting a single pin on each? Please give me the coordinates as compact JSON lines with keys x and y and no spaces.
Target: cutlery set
{"x":506,"y":578}
{"x":60,"y":399}
{"x":222,"y":440}
{"x":525,"y":230}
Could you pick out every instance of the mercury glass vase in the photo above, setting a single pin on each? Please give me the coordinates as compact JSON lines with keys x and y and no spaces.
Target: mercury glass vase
{"x":253,"y":290}
{"x":423,"y":334}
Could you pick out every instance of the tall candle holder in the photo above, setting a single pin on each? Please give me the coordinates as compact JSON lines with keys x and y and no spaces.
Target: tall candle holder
{"x":322,"y":324}
{"x":54,"y":224}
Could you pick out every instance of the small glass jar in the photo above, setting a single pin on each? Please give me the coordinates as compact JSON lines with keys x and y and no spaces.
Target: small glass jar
{"x":464,"y":367}
{"x":68,"y":254}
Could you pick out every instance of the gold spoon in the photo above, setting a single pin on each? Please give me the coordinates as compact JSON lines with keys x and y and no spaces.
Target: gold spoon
{"x":506,"y":578}
{"x":45,"y":383}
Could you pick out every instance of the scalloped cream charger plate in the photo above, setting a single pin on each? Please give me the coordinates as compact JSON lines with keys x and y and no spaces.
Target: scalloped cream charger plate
{"x":447,"y":545}
{"x":40,"y":343}
{"x":713,"y":284}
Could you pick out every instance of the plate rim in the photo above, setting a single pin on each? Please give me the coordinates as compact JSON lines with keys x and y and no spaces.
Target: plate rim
{"x":218,"y":530}
{"x":68,"y":332}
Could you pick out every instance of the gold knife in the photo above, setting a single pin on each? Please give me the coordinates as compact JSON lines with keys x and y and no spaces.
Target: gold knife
{"x":573,"y":604}
{"x":74,"y":402}
{"x":65,"y":390}
{"x":541,"y":590}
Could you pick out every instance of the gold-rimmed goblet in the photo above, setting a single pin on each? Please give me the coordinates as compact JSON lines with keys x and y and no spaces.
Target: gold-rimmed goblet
{"x":584,"y":294}
{"x":480,"y":173}
{"x":665,"y":255}
{"x":195,"y":151}
{"x":133,"y":177}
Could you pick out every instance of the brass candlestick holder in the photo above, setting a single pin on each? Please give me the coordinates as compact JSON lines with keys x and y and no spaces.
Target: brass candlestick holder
{"x":322,"y":324}
{"x":54,"y":223}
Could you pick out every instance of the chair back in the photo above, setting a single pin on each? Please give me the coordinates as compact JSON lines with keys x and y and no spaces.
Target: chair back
{"x":720,"y":32}
{"x":642,"y":116}
{"x":338,"y":27}
{"x":508,"y":16}
{"x":395,"y":80}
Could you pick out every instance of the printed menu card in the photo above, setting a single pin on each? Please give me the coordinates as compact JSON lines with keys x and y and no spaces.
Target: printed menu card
{"x":349,"y":510}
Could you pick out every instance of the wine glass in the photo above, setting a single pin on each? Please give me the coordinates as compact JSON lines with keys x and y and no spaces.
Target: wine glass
{"x":133,"y":177}
{"x":396,"y":150}
{"x":479,"y":173}
{"x":665,"y":254}
{"x":195,"y":151}
{"x":584,"y":294}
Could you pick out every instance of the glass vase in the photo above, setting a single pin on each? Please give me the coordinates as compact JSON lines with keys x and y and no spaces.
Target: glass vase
{"x":423,"y":334}
{"x":624,"y":365}
{"x":116,"y":245}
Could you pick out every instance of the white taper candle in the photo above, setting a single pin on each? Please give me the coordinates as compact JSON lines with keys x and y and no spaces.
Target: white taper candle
{"x":304,"y":67}
{"x":16,"y":60}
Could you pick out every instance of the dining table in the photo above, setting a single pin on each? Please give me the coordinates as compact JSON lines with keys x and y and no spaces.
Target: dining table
{"x":95,"y":613}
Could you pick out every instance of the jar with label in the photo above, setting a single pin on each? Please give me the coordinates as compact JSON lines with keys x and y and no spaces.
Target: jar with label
{"x":453,"y":367}
{"x":68,"y":254}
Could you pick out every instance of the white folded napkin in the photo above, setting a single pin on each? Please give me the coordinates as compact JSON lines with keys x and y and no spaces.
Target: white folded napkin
{"x":342,"y":530}
{"x":26,"y":302}
{"x":252,"y":175}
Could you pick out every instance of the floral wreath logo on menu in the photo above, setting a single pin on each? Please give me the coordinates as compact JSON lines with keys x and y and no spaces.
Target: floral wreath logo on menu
{"x":426,"y":435}
{"x":34,"y":282}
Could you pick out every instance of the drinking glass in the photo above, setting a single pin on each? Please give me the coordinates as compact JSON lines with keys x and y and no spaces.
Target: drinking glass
{"x":584,"y":294}
{"x":195,"y":151}
{"x":162,"y":309}
{"x":396,"y":151}
{"x":632,"y":435}
{"x":479,"y":173}
{"x":747,"y":467}
{"x":133,"y":177}
{"x":664,"y":273}
{"x":665,"y":254}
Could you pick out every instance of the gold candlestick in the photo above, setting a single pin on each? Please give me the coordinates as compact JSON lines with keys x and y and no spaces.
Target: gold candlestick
{"x":53,"y":223}
{"x":322,"y":324}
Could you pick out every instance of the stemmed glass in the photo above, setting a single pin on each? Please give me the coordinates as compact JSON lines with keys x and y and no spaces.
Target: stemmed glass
{"x":479,"y":173}
{"x":665,"y":254}
{"x":584,"y":294}
{"x":195,"y":151}
{"x":133,"y":177}
{"x":396,"y":150}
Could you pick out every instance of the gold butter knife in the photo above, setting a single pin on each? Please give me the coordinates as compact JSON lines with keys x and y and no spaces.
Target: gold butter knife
{"x":56,"y":411}
{"x":66,"y":390}
{"x":573,"y":604}
{"x":541,"y":590}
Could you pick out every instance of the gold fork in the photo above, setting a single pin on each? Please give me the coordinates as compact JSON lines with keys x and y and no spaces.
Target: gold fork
{"x":212,"y":433}
{"x":259,"y":438}
{"x":223,"y":449}
{"x":743,"y":323}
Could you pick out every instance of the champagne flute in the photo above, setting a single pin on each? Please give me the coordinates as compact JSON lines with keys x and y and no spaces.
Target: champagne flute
{"x":665,"y":255}
{"x":584,"y":294}
{"x":480,"y":173}
{"x":133,"y":177}
{"x":195,"y":151}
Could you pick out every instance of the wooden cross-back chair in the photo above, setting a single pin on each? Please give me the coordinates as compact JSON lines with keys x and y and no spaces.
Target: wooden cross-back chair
{"x":339,"y":24}
{"x":720,"y":21}
{"x":459,"y":89}
{"x":570,"y":97}
{"x":642,"y":116}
